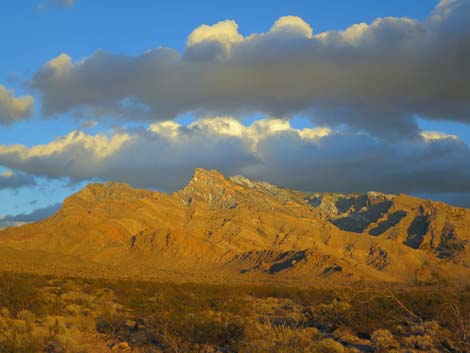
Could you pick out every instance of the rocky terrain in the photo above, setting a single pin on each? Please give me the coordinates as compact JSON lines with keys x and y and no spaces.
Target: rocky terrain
{"x":238,"y":230}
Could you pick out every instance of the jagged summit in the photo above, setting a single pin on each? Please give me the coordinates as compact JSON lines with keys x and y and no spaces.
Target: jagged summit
{"x":208,"y":186}
{"x":244,"y":230}
{"x":110,"y":191}
{"x":201,"y":174}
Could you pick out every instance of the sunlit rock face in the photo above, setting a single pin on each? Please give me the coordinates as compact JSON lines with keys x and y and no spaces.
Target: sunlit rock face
{"x":237,"y":229}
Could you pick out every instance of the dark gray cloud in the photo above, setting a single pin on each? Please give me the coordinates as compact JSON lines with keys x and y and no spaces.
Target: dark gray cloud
{"x":11,"y":180}
{"x":165,"y":155}
{"x":375,"y":77}
{"x":36,"y":215}
{"x":348,"y":163}
{"x":461,"y":199}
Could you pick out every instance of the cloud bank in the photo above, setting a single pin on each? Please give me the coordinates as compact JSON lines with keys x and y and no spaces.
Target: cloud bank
{"x":11,"y":180}
{"x":14,"y":108}
{"x":312,"y":159}
{"x":36,"y":215}
{"x":375,"y":77}
{"x":363,"y":87}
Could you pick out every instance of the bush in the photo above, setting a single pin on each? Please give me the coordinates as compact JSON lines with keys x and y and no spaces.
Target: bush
{"x":52,"y":314}
{"x":20,"y":292}
{"x":383,"y":341}
{"x":328,"y":345}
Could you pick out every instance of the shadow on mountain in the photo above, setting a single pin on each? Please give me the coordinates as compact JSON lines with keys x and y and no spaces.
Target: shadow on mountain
{"x":344,"y":204}
{"x":314,"y":201}
{"x":358,"y":221}
{"x":392,"y":220}
{"x":287,"y":260}
{"x":450,"y":245}
{"x":332,"y":269}
{"x":272,"y":262}
{"x":418,"y":228}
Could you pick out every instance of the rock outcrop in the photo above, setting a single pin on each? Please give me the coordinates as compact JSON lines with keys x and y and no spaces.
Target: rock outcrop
{"x":236,"y":229}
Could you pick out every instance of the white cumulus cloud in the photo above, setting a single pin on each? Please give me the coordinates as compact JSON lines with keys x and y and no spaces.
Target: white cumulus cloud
{"x":373,"y":77}
{"x":313,"y":159}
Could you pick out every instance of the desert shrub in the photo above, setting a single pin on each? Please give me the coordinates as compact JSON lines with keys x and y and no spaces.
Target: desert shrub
{"x":47,"y":313}
{"x":383,"y":341}
{"x":73,"y":309}
{"x":20,"y":292}
{"x":345,"y":335}
{"x":27,"y":334}
{"x":26,"y":316}
{"x":4,"y":312}
{"x":263,"y":338}
{"x":422,"y":343}
{"x":328,"y":345}
{"x":330,"y":316}
{"x":207,"y":331}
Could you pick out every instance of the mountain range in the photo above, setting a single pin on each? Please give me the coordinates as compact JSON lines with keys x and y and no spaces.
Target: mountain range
{"x":242,"y":231}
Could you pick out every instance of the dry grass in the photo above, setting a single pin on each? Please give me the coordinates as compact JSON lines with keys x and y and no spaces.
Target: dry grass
{"x":48,"y":314}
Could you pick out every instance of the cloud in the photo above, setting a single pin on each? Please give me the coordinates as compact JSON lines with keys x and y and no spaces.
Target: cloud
{"x":375,"y":77}
{"x":225,"y":32}
{"x":291,"y":25}
{"x":11,"y":180}
{"x":62,"y":3}
{"x":14,"y":108}
{"x":67,"y":3}
{"x":312,"y":159}
{"x":36,"y":215}
{"x":460,"y":199}
{"x":88,"y":124}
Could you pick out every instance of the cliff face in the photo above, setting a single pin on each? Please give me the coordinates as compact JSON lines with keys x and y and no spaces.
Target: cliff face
{"x":238,"y":229}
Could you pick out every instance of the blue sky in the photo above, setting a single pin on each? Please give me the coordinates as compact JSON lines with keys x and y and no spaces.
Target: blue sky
{"x":34,"y":32}
{"x":33,"y":37}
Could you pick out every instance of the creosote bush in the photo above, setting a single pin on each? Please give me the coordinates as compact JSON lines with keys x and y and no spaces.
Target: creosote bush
{"x":49,"y":314}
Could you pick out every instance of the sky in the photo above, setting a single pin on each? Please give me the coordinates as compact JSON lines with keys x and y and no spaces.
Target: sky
{"x":317,"y":95}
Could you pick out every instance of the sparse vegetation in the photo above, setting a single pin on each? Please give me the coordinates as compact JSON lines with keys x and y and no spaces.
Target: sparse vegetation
{"x":48,"y":314}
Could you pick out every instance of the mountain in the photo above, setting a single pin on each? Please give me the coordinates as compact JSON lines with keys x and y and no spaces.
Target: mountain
{"x":239,"y":230}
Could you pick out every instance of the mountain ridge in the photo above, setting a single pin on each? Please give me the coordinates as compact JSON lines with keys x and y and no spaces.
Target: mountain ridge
{"x":237,"y":229}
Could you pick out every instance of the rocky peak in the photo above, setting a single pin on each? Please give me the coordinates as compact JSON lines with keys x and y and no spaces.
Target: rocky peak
{"x":257,"y":185}
{"x":110,"y":191}
{"x":251,"y":227}
{"x":206,"y":178}
{"x":209,"y":186}
{"x":281,"y":194}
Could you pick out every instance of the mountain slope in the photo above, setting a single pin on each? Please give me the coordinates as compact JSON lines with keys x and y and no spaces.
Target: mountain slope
{"x":240,"y":230}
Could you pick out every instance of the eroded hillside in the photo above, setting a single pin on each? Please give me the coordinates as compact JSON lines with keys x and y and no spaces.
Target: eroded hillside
{"x":239,"y":230}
